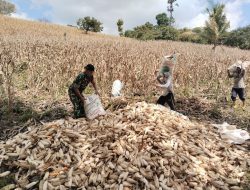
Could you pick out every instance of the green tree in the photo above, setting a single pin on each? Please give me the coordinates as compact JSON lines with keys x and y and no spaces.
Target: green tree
{"x":163,"y":20}
{"x":217,"y":25}
{"x":198,"y":30}
{"x":120,"y":26}
{"x":200,"y":35}
{"x":6,"y":8}
{"x":239,"y":38}
{"x":167,"y":33}
{"x":143,"y":32}
{"x":188,"y":36}
{"x":129,"y":33}
{"x":89,"y":24}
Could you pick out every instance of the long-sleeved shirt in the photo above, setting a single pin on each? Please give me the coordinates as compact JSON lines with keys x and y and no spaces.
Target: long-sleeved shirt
{"x":238,"y":79}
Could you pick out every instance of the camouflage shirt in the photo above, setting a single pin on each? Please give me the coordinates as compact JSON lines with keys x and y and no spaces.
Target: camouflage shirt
{"x":81,"y":82}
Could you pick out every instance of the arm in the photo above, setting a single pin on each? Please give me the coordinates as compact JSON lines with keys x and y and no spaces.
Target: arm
{"x":229,"y":74}
{"x":165,"y":85}
{"x":76,"y":85}
{"x":159,"y":79}
{"x":94,"y":85}
{"x":78,"y":94}
{"x":242,"y":74}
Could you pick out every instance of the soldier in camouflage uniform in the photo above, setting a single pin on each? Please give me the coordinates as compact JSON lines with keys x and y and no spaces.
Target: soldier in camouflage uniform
{"x":78,"y":86}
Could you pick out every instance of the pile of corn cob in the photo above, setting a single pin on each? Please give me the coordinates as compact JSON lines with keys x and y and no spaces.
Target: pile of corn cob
{"x":143,"y":146}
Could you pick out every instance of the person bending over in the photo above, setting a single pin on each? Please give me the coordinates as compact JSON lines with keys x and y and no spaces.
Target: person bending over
{"x":78,"y":86}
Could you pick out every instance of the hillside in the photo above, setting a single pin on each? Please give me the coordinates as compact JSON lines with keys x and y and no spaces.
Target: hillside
{"x":45,"y":63}
{"x":39,"y":61}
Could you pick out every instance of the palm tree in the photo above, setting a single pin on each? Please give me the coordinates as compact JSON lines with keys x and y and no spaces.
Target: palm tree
{"x":120,"y":26}
{"x":217,"y":24}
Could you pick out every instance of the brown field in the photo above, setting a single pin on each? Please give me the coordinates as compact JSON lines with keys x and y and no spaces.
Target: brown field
{"x":42,"y":63}
{"x":39,"y":61}
{"x":51,"y":62}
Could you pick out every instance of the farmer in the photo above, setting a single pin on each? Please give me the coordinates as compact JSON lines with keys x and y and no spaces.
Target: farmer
{"x":165,"y":80}
{"x":78,"y":86}
{"x":239,"y":85}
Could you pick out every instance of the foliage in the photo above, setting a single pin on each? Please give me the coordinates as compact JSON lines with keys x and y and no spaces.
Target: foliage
{"x":196,"y":35}
{"x":89,"y":24}
{"x":143,"y":32}
{"x":239,"y":38}
{"x":167,"y":33}
{"x":163,"y":20}
{"x":217,"y":24}
{"x":148,"y":31}
{"x":188,"y":36}
{"x":6,"y":7}
{"x":120,"y":26}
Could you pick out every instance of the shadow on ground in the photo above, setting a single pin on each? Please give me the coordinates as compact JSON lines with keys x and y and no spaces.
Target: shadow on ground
{"x":25,"y":114}
{"x":217,"y":113}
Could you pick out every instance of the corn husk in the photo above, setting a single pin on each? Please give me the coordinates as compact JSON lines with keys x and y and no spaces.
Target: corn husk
{"x":142,"y":146}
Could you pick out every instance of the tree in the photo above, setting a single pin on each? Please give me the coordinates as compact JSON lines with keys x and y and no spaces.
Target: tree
{"x":198,"y":30}
{"x":163,"y":19}
{"x":144,"y":32}
{"x":6,"y":8}
{"x":200,"y":36}
{"x":191,"y":36}
{"x":239,"y":38}
{"x":217,"y":25}
{"x":167,"y":33}
{"x":171,"y":10}
{"x":89,"y":24}
{"x":129,"y":33}
{"x":120,"y":26}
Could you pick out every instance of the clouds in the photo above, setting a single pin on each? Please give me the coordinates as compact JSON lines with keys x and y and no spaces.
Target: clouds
{"x":133,"y":12}
{"x":234,"y":10}
{"x":107,"y":11}
{"x":20,"y":15}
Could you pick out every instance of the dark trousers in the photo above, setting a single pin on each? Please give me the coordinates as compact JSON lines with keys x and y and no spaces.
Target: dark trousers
{"x":78,"y":105}
{"x":238,"y":92}
{"x":169,"y":99}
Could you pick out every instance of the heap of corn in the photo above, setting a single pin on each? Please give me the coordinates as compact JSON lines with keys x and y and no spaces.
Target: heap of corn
{"x":142,"y":146}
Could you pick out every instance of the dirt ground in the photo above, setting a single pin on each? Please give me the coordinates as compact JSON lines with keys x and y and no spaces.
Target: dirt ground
{"x":26,"y":114}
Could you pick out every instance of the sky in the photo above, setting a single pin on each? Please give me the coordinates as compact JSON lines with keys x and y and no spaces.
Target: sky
{"x":188,"y":13}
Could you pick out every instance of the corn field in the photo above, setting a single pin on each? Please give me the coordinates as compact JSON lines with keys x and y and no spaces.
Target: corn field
{"x":142,"y":146}
{"x":48,"y":57}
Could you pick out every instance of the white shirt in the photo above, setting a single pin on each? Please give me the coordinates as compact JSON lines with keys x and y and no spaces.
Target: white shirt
{"x":167,"y":85}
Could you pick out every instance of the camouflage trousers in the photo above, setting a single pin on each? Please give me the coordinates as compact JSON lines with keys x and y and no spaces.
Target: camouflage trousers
{"x":78,"y":105}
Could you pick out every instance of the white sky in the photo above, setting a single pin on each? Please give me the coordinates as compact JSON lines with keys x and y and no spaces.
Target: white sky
{"x":190,"y":13}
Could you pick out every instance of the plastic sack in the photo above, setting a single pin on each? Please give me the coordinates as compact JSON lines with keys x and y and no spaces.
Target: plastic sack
{"x":116,"y":88}
{"x":244,"y":65}
{"x":169,"y":61}
{"x":93,"y":107}
{"x":231,"y":134}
